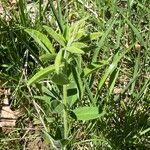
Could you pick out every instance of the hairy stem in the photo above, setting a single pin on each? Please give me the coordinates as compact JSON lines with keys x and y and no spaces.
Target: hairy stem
{"x":65,"y":112}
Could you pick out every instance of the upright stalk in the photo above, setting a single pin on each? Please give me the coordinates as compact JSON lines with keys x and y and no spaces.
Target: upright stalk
{"x":22,"y":10}
{"x":56,"y":16}
{"x":65,"y":112}
{"x":40,"y":12}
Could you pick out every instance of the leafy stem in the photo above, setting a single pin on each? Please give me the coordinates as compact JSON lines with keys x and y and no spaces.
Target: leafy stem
{"x":65,"y":112}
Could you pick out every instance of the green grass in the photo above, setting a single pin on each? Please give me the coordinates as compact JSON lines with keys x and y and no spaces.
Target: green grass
{"x":79,"y":73}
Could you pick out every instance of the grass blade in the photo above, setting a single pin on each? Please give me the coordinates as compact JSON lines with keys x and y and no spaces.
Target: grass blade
{"x":136,"y":32}
{"x":111,"y":68}
{"x":102,"y":40}
{"x":56,"y":16}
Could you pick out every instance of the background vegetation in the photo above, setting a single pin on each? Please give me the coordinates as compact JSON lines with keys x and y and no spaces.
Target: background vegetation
{"x":79,"y":73}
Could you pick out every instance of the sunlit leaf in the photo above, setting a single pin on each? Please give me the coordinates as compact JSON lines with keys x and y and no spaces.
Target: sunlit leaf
{"x":95,"y":35}
{"x":41,"y":74}
{"x":136,"y":32}
{"x":58,"y":37}
{"x":102,"y":40}
{"x":93,"y":67}
{"x":58,"y":60}
{"x":75,"y":50}
{"x":86,"y":113}
{"x":41,"y":39}
{"x":79,"y":45}
{"x":47,"y":57}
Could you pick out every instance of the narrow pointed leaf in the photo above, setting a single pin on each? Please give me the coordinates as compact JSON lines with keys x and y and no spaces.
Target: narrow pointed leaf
{"x":41,"y":74}
{"x":111,"y":68}
{"x":77,"y":80}
{"x":41,"y":39}
{"x":102,"y":40}
{"x":47,"y":57}
{"x":44,"y":98}
{"x":78,"y":25}
{"x":93,"y":67}
{"x":112,"y":80}
{"x":95,"y":35}
{"x":79,"y":44}
{"x":59,"y":38}
{"x":145,"y":131}
{"x":75,"y":50}
{"x":58,"y":61}
{"x":136,"y":32}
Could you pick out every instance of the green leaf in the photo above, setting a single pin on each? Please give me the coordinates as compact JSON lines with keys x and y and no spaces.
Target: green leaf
{"x":58,"y":60}
{"x":79,"y":45}
{"x":50,"y":119}
{"x":119,"y":32}
{"x":47,"y":57}
{"x":136,"y":70}
{"x":102,"y":40}
{"x":67,"y":32}
{"x":57,"y":106}
{"x":89,"y":92}
{"x":111,"y":68}
{"x":45,"y":98}
{"x":60,"y":79}
{"x":77,"y":30}
{"x":72,"y":93}
{"x":75,"y":50}
{"x":41,"y":74}
{"x":77,"y":79}
{"x":77,"y":26}
{"x":86,"y":113}
{"x":59,"y":38}
{"x":136,"y":32}
{"x":93,"y":67}
{"x":41,"y":39}
{"x":79,"y":34}
{"x":112,"y":81}
{"x":108,"y":71}
{"x":95,"y":35}
{"x":145,"y":131}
